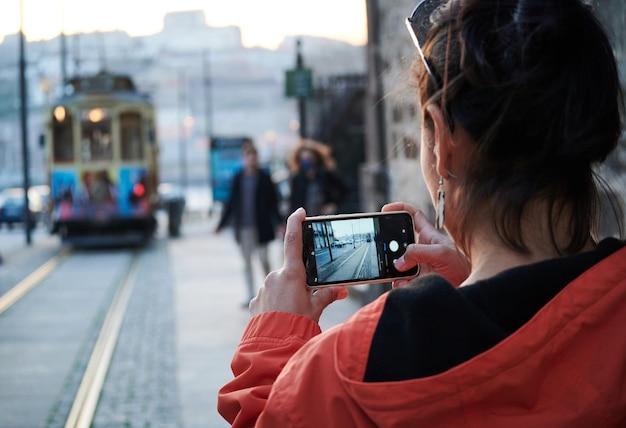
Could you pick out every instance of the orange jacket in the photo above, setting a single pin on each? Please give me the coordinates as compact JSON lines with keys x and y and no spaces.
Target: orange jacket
{"x":566,"y":367}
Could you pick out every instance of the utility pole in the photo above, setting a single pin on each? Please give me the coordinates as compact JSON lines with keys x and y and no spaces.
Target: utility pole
{"x":208,"y":109}
{"x":63,"y":48}
{"x":182,"y":143}
{"x":63,"y":59}
{"x":24,"y":121}
{"x":299,"y":84}
{"x":76,"y":54}
{"x":301,"y":99}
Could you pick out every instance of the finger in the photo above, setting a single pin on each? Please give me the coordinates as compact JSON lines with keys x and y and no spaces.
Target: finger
{"x":404,"y":262}
{"x":399,"y":283}
{"x":253,"y":306}
{"x":426,"y":231}
{"x":325,"y":296}
{"x":399,"y":206}
{"x":430,"y":254}
{"x":342,"y":293}
{"x":293,"y":239}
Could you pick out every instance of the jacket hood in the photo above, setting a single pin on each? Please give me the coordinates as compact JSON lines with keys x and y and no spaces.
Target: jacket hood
{"x":545,"y":374}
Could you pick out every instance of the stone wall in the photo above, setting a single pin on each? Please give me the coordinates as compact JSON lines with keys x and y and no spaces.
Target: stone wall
{"x":402,"y":119}
{"x":613,"y":14}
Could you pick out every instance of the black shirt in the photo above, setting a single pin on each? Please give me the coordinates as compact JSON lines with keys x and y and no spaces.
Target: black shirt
{"x":431,"y":326}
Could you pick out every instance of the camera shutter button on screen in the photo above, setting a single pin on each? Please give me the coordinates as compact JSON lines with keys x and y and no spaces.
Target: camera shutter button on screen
{"x":393,"y":245}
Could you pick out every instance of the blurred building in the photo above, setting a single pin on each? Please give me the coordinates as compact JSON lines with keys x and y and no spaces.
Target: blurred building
{"x":339,"y":121}
{"x":203,"y":81}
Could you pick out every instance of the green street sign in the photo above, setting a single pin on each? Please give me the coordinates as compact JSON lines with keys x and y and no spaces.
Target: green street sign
{"x":299,"y":83}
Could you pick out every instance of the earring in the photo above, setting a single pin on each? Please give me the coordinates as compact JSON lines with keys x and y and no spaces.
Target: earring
{"x":441,"y":198}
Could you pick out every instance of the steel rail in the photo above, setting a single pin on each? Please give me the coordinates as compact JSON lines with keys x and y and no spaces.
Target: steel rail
{"x":84,"y":406}
{"x":31,"y":281}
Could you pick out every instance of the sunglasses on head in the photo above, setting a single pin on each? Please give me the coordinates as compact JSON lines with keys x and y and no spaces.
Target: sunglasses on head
{"x":419,"y":24}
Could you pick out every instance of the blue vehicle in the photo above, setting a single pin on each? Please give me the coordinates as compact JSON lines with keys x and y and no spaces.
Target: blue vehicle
{"x":12,"y":207}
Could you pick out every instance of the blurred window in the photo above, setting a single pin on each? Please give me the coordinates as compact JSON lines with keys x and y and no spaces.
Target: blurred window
{"x":96,"y":141}
{"x":62,"y":141}
{"x":132,"y":144}
{"x":122,"y":83}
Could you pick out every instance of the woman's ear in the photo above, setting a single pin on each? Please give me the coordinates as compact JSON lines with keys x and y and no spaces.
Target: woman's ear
{"x":443,"y":141}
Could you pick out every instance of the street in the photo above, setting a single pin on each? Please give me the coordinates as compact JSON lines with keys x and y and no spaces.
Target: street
{"x":359,"y":262}
{"x":198,"y":285}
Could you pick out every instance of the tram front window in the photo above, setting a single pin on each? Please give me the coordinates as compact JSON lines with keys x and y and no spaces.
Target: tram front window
{"x":96,"y":141}
{"x":62,"y":141}
{"x":132,"y":147}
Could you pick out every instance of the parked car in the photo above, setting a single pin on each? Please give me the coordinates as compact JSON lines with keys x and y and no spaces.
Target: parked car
{"x":39,"y":197}
{"x":12,"y":209}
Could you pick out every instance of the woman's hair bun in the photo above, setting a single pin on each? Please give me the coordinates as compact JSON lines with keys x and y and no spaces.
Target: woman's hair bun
{"x":549,"y":30}
{"x":541,"y":76}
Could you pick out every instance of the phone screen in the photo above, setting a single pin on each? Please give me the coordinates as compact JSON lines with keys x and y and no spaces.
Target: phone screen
{"x":355,"y":248}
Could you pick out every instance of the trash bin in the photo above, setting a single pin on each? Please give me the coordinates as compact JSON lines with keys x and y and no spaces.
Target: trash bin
{"x":175,"y":209}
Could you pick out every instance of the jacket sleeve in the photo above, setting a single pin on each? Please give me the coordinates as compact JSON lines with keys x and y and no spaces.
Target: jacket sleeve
{"x":269,"y":341}
{"x":335,"y":188}
{"x":272,"y":197}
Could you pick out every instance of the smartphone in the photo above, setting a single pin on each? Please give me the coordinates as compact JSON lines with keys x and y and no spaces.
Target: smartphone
{"x":351,"y":249}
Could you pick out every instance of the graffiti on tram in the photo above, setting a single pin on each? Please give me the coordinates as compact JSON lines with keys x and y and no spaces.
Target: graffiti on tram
{"x":100,"y":193}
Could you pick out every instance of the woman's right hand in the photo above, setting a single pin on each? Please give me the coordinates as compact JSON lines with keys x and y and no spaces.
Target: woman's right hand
{"x":285,"y":290}
{"x":433,"y":251}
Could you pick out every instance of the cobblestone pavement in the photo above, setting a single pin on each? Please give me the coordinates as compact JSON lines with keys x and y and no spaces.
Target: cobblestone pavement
{"x":141,"y":388}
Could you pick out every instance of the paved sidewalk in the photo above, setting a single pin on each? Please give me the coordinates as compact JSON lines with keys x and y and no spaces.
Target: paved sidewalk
{"x":209,"y":291}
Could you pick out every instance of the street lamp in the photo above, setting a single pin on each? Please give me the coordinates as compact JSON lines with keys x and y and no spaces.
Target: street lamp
{"x":184,"y":122}
{"x":353,"y":240}
{"x":24,"y":122}
{"x":188,"y":123}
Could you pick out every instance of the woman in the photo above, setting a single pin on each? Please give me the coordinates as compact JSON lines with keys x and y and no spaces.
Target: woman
{"x":314,"y":184}
{"x":520,"y":321}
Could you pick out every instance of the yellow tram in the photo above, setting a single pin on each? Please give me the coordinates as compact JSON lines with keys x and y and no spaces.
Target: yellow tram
{"x":102,"y":160}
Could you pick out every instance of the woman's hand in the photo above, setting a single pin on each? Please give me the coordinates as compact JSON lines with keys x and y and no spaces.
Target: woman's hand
{"x":434,"y":251}
{"x":285,"y":289}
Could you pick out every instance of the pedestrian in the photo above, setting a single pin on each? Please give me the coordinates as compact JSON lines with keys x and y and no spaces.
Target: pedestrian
{"x":517,"y":316}
{"x":252,"y":208}
{"x":314,"y":184}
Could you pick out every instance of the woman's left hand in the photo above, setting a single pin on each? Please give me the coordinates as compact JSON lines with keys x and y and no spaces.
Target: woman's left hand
{"x":433,"y":251}
{"x":285,"y":289}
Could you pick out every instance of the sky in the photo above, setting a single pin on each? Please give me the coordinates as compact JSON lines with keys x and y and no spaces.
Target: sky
{"x":347,"y":228}
{"x":263,"y":23}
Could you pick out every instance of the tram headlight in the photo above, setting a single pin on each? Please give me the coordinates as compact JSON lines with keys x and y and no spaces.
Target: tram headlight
{"x":59,"y":113}
{"x":96,"y":115}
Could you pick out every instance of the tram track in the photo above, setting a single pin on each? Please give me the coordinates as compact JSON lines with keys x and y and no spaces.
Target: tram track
{"x":91,"y":365}
{"x":86,"y":401}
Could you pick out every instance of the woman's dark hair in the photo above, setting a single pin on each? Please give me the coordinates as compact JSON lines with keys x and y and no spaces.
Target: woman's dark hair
{"x":535,"y":84}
